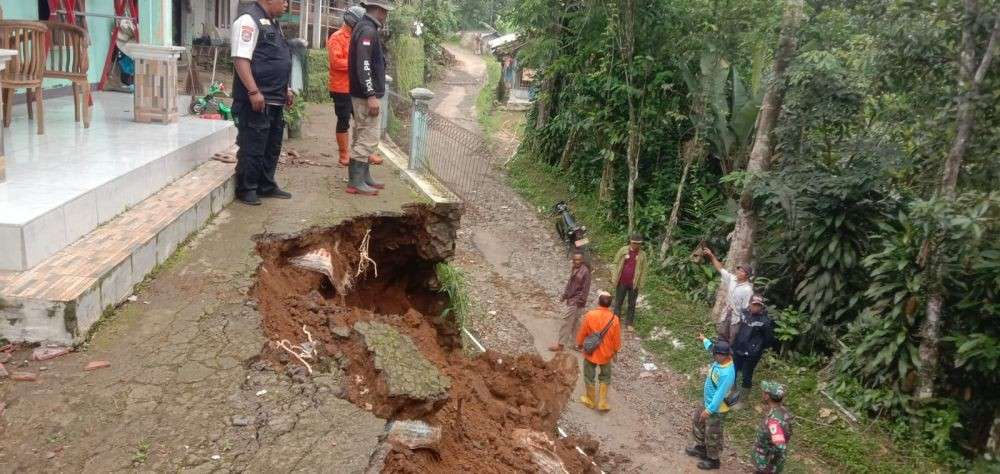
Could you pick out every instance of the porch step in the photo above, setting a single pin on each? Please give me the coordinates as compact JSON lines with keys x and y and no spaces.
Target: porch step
{"x":63,"y":296}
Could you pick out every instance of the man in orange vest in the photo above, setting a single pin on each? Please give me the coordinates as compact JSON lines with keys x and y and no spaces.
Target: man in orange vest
{"x":338,"y":47}
{"x":599,"y":321}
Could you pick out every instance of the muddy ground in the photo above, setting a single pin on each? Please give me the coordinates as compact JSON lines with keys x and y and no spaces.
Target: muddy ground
{"x":179,"y":394}
{"x":385,"y":335}
{"x":517,"y":272}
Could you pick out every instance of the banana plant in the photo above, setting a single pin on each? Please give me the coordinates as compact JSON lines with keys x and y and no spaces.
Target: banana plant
{"x":728,"y":109}
{"x":724,"y":114}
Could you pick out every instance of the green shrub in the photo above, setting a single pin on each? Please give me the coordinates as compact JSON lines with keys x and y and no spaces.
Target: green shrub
{"x":317,"y":81}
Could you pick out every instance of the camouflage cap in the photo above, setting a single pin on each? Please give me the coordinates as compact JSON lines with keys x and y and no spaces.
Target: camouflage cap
{"x":773,"y":389}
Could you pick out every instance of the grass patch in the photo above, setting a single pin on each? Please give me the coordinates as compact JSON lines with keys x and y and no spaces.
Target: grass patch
{"x":829,"y":444}
{"x":460,"y":306}
{"x":141,"y":453}
{"x":486,"y":100}
{"x":408,"y":63}
{"x":318,"y":70}
{"x":453,"y":283}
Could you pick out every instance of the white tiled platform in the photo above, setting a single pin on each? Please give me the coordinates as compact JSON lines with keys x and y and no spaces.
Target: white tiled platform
{"x":63,"y":296}
{"x":63,"y":184}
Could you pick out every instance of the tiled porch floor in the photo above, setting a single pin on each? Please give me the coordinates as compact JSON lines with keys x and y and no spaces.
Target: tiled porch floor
{"x":65,"y":183}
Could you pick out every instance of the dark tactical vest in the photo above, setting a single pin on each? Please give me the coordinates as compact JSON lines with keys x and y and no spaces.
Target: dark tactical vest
{"x":271,"y":64}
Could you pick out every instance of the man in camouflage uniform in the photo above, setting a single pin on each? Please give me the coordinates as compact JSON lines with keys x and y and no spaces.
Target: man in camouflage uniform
{"x":774,"y":432}
{"x":706,"y":427}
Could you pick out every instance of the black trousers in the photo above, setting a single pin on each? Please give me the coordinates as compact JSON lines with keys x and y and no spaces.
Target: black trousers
{"x":620,"y":295}
{"x":259,"y":136}
{"x":343,"y":107}
{"x":745,"y":364}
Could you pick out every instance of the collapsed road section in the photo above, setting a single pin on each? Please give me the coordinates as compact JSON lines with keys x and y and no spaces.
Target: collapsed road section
{"x":363,"y":299}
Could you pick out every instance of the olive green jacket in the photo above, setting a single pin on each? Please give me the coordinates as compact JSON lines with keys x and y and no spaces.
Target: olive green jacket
{"x":640,"y":267}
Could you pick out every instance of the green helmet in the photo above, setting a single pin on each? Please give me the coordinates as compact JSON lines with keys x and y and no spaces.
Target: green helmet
{"x":353,"y":15}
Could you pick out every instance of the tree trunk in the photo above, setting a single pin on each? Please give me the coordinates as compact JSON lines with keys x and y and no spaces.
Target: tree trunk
{"x":544,"y":106}
{"x":741,"y":246}
{"x":993,"y":442}
{"x":567,"y":154}
{"x":970,"y":76}
{"x":691,"y":152}
{"x":928,"y":352}
{"x":604,"y":192}
{"x":632,"y":157}
{"x":626,"y":48}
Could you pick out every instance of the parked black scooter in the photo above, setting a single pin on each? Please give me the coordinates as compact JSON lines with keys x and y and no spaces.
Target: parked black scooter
{"x":570,"y":233}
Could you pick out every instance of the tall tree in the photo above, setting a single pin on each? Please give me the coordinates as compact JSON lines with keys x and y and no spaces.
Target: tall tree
{"x":971,"y":72}
{"x":691,"y":152}
{"x":741,"y":245}
{"x":626,"y":47}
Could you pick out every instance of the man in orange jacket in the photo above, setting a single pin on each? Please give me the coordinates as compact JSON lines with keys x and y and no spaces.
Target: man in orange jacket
{"x":338,"y":47}
{"x":597,"y":321}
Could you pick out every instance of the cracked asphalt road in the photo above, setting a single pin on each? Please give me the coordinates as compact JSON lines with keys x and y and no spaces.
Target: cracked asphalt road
{"x":182,"y":389}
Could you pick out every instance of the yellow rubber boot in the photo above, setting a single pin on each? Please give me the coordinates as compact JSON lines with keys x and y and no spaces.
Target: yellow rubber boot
{"x":602,"y":403}
{"x":587,"y":399}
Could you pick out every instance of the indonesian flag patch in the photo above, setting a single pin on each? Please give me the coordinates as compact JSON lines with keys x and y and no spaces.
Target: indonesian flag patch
{"x":777,"y":434}
{"x":366,"y":42}
{"x":246,"y":33}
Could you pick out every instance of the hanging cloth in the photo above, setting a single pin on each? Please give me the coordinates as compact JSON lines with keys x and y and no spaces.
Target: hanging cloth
{"x":129,"y":8}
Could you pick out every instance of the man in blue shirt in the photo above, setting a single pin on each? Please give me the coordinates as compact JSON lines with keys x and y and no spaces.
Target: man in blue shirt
{"x":707,"y":423}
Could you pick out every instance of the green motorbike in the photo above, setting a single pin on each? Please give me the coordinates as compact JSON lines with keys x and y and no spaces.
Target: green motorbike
{"x":210,"y":103}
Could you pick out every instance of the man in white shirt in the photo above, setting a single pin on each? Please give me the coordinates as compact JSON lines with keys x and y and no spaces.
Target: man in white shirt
{"x":263,"y":64}
{"x":738,"y":290}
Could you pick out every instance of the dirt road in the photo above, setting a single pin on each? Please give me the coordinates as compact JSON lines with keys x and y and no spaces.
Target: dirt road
{"x":183,"y":391}
{"x":517,"y":272}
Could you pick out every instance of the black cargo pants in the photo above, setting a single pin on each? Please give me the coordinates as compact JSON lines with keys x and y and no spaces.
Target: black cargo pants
{"x":259,"y":136}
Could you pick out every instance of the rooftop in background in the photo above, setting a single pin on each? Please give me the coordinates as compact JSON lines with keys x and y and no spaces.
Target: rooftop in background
{"x":507,"y":43}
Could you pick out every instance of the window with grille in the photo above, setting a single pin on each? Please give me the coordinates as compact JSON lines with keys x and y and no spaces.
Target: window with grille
{"x":223,"y":16}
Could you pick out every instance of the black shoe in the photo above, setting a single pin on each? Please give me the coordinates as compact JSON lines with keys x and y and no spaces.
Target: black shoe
{"x":708,"y":464}
{"x":277,"y":193}
{"x":697,"y":451}
{"x":249,"y":198}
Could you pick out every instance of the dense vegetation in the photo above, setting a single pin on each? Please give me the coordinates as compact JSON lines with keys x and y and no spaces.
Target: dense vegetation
{"x":867,"y":201}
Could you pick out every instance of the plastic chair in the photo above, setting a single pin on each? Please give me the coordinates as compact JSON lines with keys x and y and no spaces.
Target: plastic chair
{"x":26,"y":70}
{"x":67,"y":59}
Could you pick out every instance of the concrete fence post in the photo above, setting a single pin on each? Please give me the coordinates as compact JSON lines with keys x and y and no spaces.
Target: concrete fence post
{"x":385,"y":109}
{"x":418,"y":138}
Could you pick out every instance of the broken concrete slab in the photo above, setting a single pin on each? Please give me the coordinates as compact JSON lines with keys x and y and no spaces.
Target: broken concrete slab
{"x":407,"y":372}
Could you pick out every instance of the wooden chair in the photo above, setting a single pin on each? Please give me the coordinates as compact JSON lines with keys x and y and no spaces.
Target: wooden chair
{"x":67,"y":59}
{"x":25,"y":71}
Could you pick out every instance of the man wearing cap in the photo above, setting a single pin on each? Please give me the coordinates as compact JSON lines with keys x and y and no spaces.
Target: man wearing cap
{"x":738,"y":292}
{"x":630,"y":271}
{"x":338,"y":52}
{"x":708,"y":419}
{"x":774,"y":432}
{"x":263,"y":64}
{"x":600,"y":320}
{"x":755,"y":335}
{"x":367,"y":85}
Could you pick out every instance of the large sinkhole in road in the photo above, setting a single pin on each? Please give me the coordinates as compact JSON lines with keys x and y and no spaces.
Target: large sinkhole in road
{"x":400,"y":352}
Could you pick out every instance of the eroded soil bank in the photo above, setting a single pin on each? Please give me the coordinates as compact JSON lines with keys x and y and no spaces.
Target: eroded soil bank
{"x":379,"y":321}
